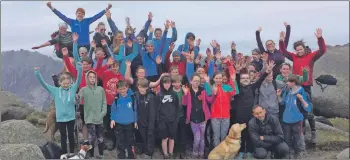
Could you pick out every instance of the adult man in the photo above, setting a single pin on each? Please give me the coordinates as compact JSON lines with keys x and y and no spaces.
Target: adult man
{"x":266,"y":134}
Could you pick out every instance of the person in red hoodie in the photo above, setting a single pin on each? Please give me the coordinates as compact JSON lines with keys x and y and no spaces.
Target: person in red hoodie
{"x":110,"y":79}
{"x":86,"y":66}
{"x":220,"y":107}
{"x":180,"y":64}
{"x":304,"y":59}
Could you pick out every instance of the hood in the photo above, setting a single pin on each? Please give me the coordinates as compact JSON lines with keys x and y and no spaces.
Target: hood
{"x":87,"y":79}
{"x":185,"y":45}
{"x":162,"y":89}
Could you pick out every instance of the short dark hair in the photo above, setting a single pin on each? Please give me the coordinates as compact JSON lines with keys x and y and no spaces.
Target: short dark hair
{"x":293,"y":78}
{"x":142,"y":82}
{"x":299,"y":43}
{"x":121,"y":83}
{"x":86,"y":59}
{"x":166,"y":79}
{"x":176,"y":78}
{"x":257,"y":106}
{"x":157,"y":29}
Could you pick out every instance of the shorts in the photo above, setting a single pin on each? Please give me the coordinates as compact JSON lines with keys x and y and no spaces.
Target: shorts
{"x":81,"y":110}
{"x":167,"y":130}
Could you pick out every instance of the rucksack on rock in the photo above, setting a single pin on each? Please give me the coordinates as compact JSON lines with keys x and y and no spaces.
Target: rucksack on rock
{"x":51,"y":150}
{"x":326,"y":80}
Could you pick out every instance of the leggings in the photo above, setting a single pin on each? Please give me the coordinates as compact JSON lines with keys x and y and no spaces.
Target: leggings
{"x":220,"y":128}
{"x":198,"y":130}
{"x":63,"y":127}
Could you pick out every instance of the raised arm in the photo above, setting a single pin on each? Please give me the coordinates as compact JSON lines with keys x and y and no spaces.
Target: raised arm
{"x":288,"y":30}
{"x":174,"y":35}
{"x":69,"y":65}
{"x":321,"y":44}
{"x":148,"y":23}
{"x":76,"y":56}
{"x":78,"y":79}
{"x":233,"y":51}
{"x":258,"y":40}
{"x":269,"y":68}
{"x":92,"y":48}
{"x":99,"y":15}
{"x":283,"y":48}
{"x":59,"y":14}
{"x":48,"y":87}
{"x":111,"y":23}
{"x":49,"y":43}
{"x":128,"y":72}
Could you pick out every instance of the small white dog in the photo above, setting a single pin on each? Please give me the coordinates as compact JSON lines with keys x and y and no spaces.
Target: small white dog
{"x":80,"y":155}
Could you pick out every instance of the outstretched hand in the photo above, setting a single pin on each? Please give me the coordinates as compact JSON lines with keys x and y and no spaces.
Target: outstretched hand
{"x":172,"y":24}
{"x":75,"y":37}
{"x":150,"y":29}
{"x":285,"y":24}
{"x":198,"y":42}
{"x":49,"y":5}
{"x":108,"y":14}
{"x":259,"y":29}
{"x":128,"y":63}
{"x":159,"y":59}
{"x":150,"y":16}
{"x":318,"y":33}
{"x":282,"y":35}
{"x":270,"y":66}
{"x":167,"y":24}
{"x":172,"y":46}
{"x":36,"y":68}
{"x":36,"y":47}
{"x":109,"y":6}
{"x":214,"y":43}
{"x":233,"y":45}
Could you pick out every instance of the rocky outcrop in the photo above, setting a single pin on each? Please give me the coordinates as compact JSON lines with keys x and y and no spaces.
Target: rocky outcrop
{"x":334,"y":101}
{"x":20,"y":131}
{"x":20,"y":152}
{"x":13,"y":108}
{"x":344,"y":154}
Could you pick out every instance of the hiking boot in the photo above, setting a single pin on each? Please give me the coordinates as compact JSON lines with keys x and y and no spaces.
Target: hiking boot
{"x":240,"y":155}
{"x":249,"y":155}
{"x":313,"y":137}
{"x":299,"y":155}
{"x":166,"y":156}
{"x":171,"y":156}
{"x":182,"y":155}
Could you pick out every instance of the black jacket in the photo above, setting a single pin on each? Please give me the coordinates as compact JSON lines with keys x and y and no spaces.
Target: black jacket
{"x":245,"y":99}
{"x":98,"y":37}
{"x":146,"y":110}
{"x":270,"y":128}
{"x":167,"y":105}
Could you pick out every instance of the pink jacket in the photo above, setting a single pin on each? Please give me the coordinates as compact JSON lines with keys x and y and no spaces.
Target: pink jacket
{"x":187,"y":101}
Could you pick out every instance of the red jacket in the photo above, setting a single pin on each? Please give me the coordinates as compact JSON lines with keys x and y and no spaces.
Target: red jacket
{"x":220,"y":107}
{"x":306,"y":61}
{"x":181,"y":65}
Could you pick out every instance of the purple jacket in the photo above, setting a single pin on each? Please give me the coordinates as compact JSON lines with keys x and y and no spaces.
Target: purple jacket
{"x":187,"y":101}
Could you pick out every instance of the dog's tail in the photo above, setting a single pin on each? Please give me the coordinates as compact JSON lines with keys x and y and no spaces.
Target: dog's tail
{"x":46,"y":127}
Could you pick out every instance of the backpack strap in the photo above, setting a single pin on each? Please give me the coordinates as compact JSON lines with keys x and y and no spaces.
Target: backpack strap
{"x":322,"y":87}
{"x":133,"y":102}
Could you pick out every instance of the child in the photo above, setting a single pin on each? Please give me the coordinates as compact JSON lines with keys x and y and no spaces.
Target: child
{"x":65,"y":105}
{"x":244,"y":104}
{"x":177,"y":62}
{"x":196,"y":100}
{"x":182,"y":127}
{"x":95,"y":108}
{"x":167,"y":116}
{"x":124,"y":119}
{"x":146,"y":115}
{"x":292,"y":116}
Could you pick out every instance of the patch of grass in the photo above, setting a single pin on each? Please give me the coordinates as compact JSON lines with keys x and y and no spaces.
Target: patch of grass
{"x":328,"y":141}
{"x":35,"y":116}
{"x":340,"y":123}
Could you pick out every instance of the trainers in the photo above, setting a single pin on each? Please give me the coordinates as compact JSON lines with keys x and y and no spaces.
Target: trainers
{"x":249,"y":155}
{"x":145,"y":156}
{"x":313,"y":137}
{"x":240,"y":155}
{"x":171,"y":156}
{"x":100,"y":157}
{"x":166,"y":156}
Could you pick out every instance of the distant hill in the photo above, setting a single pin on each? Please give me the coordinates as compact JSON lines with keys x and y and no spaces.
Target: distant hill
{"x":18,"y":76}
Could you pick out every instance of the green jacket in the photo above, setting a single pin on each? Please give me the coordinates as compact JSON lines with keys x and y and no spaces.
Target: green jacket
{"x":95,"y":105}
{"x":301,"y":79}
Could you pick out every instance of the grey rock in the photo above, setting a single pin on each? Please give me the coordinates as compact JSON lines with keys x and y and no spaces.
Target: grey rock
{"x":321,"y":126}
{"x":344,"y":154}
{"x":20,"y":152}
{"x":323,"y":120}
{"x":334,"y":101}
{"x":13,"y":108}
{"x":20,"y":131}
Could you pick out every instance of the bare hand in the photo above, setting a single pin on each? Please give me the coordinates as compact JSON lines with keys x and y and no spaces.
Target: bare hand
{"x":206,"y":78}
{"x":197,"y":60}
{"x":233,"y":45}
{"x":109,"y":6}
{"x":270,"y":66}
{"x":172,"y":24}
{"x":35,"y":47}
{"x":167,"y":24}
{"x":282,"y":35}
{"x":65,"y":51}
{"x":278,"y":92}
{"x":49,"y":5}
{"x":103,"y":42}
{"x":262,"y":138}
{"x":36,"y":68}
{"x":213,"y":43}
{"x":259,"y":29}
{"x":136,"y":126}
{"x":110,"y":61}
{"x":129,"y":43}
{"x":112,"y":124}
{"x":150,"y":29}
{"x":108,"y":14}
{"x":93,"y":44}
{"x":318,"y":33}
{"x":214,"y":89}
{"x":171,"y":47}
{"x":159,"y":59}
{"x":150,"y":16}
{"x":300,"y":97}
{"x":285,"y":24}
{"x":198,"y":42}
{"x":185,"y":89}
{"x":210,"y":56}
{"x":75,"y":37}
{"x":128,"y":63}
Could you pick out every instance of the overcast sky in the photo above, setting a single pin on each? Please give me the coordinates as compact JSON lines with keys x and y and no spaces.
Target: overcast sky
{"x":27,"y":24}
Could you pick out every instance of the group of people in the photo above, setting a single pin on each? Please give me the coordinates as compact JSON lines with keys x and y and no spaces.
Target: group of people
{"x":128,"y":85}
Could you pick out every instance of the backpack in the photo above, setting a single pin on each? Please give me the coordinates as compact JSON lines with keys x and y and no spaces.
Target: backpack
{"x":327,"y":80}
{"x":132,"y":101}
{"x":51,"y":150}
{"x":257,"y":92}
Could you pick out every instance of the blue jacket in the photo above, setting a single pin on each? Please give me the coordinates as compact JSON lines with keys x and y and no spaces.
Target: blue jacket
{"x":122,"y":111}
{"x":121,"y":58}
{"x":64,"y":98}
{"x":81,"y":27}
{"x":185,"y":48}
{"x":149,"y":62}
{"x":114,"y":29}
{"x":291,"y":112}
{"x":158,"y":43}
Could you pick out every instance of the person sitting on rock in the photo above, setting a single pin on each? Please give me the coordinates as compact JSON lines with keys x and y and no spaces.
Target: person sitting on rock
{"x":303,"y":59}
{"x":266,"y":134}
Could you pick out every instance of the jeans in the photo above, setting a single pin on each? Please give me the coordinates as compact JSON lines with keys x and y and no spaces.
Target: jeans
{"x":220,"y":128}
{"x":280,"y":151}
{"x":293,"y":135}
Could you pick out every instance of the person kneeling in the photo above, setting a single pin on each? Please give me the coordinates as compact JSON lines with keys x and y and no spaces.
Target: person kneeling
{"x":266,"y":134}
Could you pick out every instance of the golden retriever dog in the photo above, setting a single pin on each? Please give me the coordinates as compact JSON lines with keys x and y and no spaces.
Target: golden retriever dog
{"x":228,"y":148}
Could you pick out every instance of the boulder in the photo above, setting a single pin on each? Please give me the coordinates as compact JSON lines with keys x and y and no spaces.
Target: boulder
{"x":344,"y":154}
{"x":20,"y":131}
{"x":334,"y":101}
{"x":323,"y":120}
{"x":13,"y":108}
{"x":20,"y":152}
